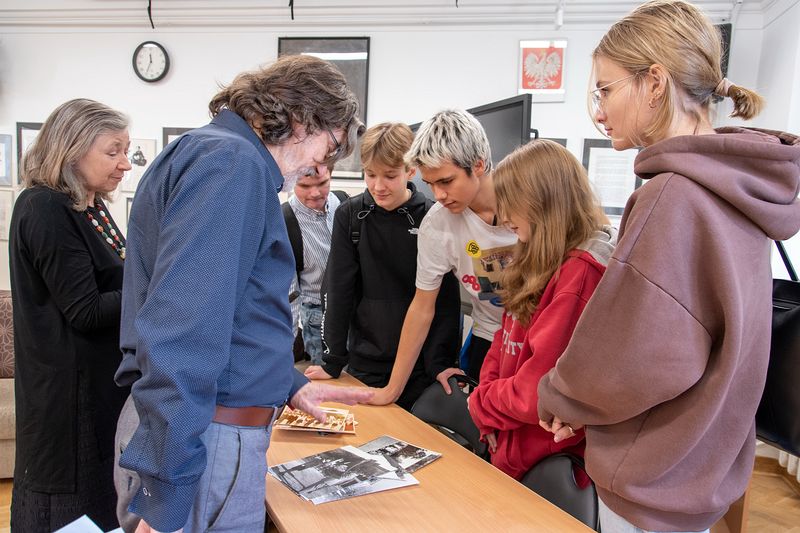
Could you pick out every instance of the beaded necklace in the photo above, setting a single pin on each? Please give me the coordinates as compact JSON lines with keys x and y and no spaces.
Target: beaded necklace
{"x":110,"y":235}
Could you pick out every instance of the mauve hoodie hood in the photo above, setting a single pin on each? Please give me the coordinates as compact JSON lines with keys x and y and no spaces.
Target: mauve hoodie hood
{"x":756,"y":171}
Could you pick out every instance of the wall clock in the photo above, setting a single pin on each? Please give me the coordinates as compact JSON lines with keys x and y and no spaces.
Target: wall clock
{"x":150,"y":61}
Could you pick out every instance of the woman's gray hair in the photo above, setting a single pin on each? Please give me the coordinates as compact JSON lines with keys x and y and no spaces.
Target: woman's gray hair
{"x":66,"y":136}
{"x":450,"y":136}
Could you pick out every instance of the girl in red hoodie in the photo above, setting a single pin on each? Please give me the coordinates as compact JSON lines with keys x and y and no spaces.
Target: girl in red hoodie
{"x":544,"y":196}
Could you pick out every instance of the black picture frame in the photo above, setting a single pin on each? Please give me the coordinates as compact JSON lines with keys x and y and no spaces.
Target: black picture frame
{"x":588,"y":144}
{"x":351,"y":56}
{"x":128,"y":206}
{"x":167,"y":133}
{"x":22,"y":144}
{"x":560,"y":140}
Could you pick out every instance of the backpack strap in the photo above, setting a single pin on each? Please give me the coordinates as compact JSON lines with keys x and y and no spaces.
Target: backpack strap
{"x":356,"y":217}
{"x":295,"y":236}
{"x":786,"y":261}
{"x":341,"y":195}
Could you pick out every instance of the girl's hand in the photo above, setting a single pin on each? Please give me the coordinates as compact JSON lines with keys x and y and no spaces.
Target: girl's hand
{"x":559,"y":429}
{"x":491,"y":440}
{"x":316,"y":372}
{"x":445,"y":374}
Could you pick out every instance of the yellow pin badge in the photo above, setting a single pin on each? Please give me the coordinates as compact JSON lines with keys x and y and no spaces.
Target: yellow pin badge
{"x":473,"y":250}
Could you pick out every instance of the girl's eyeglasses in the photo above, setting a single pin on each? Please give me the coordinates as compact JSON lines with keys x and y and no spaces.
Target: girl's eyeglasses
{"x":599,"y":97}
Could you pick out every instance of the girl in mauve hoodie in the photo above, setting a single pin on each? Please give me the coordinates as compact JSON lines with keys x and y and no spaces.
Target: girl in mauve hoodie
{"x":544,"y":196}
{"x":666,"y":367}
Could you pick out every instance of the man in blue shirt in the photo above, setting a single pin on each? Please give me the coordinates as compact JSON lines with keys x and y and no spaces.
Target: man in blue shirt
{"x":206,"y":327}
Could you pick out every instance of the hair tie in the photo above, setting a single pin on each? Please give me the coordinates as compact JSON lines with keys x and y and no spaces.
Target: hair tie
{"x":723,"y":87}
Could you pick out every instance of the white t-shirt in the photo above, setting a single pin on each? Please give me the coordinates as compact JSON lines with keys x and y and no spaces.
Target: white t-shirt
{"x":476,"y":251}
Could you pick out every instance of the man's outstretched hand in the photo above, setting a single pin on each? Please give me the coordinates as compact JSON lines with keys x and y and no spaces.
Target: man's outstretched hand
{"x":311,"y":395}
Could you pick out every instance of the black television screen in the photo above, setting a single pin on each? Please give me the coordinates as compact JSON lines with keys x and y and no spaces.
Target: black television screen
{"x":507,"y":124}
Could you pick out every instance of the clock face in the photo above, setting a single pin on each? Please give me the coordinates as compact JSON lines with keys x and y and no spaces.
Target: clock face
{"x":150,"y":61}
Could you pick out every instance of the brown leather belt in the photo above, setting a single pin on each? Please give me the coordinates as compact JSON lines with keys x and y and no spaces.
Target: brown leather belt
{"x":244,"y":416}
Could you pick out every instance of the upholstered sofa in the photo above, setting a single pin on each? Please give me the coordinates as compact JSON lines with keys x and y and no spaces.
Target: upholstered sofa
{"x":7,"y":411}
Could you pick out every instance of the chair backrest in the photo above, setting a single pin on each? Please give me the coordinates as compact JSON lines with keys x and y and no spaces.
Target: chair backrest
{"x":449,"y":411}
{"x":553,"y":479}
{"x":6,"y":335}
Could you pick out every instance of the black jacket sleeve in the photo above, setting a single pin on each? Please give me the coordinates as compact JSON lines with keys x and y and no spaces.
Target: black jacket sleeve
{"x":59,"y":254}
{"x":441,"y":347}
{"x":339,"y":292}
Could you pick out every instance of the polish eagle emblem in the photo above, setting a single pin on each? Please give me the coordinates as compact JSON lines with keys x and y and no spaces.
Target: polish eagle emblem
{"x":542,"y":68}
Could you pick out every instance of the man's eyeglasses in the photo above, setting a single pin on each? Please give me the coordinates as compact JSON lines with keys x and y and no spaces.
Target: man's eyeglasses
{"x":599,"y":97}
{"x":337,"y":148}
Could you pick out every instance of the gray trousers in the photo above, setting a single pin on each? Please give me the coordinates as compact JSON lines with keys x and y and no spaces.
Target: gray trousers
{"x":231,"y":493}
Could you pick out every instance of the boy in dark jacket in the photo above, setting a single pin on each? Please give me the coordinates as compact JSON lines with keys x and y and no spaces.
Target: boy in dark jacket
{"x":369,"y":281}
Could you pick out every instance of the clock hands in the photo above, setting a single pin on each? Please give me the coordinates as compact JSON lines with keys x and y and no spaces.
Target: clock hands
{"x":151,"y":61}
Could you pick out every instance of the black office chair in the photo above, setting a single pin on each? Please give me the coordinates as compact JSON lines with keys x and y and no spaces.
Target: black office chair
{"x":553,"y":479}
{"x":449,"y":414}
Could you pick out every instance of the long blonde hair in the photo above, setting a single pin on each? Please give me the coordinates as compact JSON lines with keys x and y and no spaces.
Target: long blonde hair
{"x":543,"y":183}
{"x":679,"y":37}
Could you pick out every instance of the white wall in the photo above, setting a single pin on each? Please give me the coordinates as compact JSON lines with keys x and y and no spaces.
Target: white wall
{"x":412,"y":74}
{"x":779,"y":83}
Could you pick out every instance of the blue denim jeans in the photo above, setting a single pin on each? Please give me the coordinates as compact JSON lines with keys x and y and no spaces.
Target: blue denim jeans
{"x":230,"y":497}
{"x":611,"y":522}
{"x":311,"y":319}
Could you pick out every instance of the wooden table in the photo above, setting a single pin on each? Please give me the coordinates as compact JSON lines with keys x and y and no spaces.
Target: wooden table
{"x":457,"y":492}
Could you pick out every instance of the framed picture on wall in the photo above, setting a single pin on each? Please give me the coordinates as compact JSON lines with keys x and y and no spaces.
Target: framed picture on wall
{"x":170,"y":134}
{"x":6,"y":206}
{"x":26,"y":134}
{"x":128,"y":205}
{"x":141,"y":154}
{"x":560,"y":140}
{"x":541,"y":69}
{"x":5,"y":160}
{"x":351,"y":56}
{"x":611,"y":173}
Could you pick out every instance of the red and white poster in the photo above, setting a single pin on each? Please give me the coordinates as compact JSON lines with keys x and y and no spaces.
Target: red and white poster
{"x":541,"y":69}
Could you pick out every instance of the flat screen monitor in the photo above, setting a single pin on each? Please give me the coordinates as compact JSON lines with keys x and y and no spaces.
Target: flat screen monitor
{"x":507,"y":124}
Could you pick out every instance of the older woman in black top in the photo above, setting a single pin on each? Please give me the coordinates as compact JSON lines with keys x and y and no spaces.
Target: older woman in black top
{"x":66,"y":258}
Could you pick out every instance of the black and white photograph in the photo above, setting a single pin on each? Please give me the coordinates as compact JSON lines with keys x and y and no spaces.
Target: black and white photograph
{"x":409,"y":457}
{"x":339,"y":474}
{"x":26,"y":135}
{"x":6,"y":207}
{"x":5,"y":160}
{"x":141,"y":154}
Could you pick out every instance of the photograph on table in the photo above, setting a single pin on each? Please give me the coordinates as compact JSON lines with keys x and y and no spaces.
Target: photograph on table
{"x":336,"y":421}
{"x":407,"y":456}
{"x":341,"y":473}
{"x":26,"y":134}
{"x":351,"y":56}
{"x":541,"y":69}
{"x":141,"y":154}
